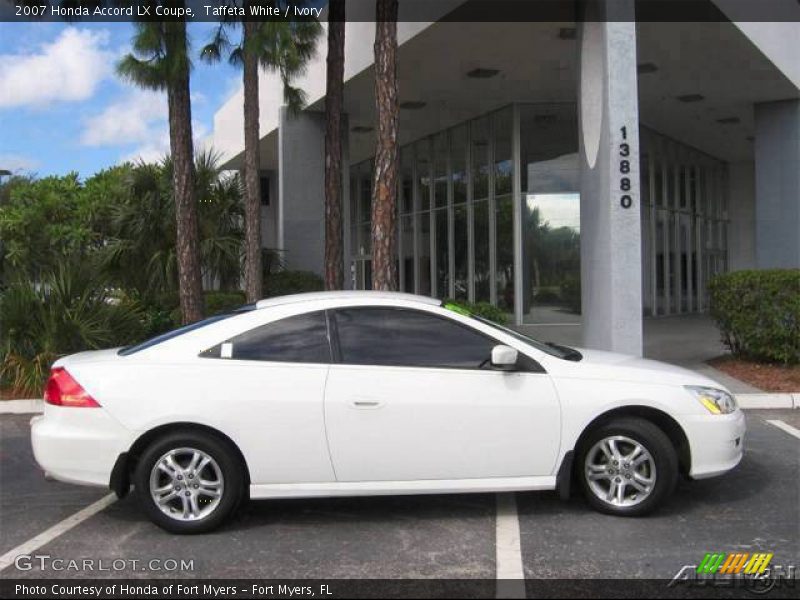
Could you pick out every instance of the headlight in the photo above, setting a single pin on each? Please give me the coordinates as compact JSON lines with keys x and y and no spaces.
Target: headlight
{"x":716,"y":401}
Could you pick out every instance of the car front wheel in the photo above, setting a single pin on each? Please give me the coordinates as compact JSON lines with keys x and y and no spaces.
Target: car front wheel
{"x":189,"y":482}
{"x":627,"y":467}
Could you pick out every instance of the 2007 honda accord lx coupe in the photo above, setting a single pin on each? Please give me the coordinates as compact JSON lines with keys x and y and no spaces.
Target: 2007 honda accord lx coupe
{"x":366,"y":393}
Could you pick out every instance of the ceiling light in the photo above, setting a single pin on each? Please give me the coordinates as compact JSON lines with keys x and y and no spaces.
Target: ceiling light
{"x":480,"y":73}
{"x":567,"y":33}
{"x":643,"y":68}
{"x":690,"y":98}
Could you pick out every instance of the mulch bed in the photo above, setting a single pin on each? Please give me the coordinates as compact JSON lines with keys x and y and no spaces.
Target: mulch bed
{"x":765,"y":376}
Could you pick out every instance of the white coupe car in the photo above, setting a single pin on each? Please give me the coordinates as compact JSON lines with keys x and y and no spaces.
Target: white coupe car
{"x":365,"y":393}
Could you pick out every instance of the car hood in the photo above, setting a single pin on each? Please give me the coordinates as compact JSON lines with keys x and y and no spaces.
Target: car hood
{"x":598,"y":364}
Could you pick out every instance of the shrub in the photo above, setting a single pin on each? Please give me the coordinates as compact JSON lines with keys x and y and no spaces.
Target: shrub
{"x":222,"y":302}
{"x":482,"y":309}
{"x":72,"y":310}
{"x":216,"y":303}
{"x":758,"y":313}
{"x":292,"y":282}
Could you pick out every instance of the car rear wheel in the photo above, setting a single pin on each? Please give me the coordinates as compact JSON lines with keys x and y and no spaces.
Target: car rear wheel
{"x":627,"y":467}
{"x":189,"y":482}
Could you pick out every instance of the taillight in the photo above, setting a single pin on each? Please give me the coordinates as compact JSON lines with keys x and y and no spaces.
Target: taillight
{"x":61,"y":389}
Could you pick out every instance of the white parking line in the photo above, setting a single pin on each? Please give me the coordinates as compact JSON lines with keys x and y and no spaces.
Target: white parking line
{"x":508,"y":559}
{"x":786,"y":427}
{"x":55,"y":531}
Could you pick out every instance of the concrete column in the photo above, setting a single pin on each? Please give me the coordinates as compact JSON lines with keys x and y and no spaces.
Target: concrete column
{"x":611,"y":278}
{"x":777,"y":150}
{"x":741,"y":212}
{"x":301,"y":190}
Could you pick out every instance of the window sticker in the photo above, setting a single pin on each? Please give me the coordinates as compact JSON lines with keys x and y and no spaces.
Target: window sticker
{"x":226,"y":350}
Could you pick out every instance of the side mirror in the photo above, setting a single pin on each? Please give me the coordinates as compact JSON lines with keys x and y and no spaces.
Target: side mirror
{"x":504,"y":358}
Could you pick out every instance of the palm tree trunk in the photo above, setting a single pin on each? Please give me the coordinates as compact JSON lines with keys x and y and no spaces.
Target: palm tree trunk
{"x":252,"y":181}
{"x":334,"y":267}
{"x":384,"y":189}
{"x":190,"y":283}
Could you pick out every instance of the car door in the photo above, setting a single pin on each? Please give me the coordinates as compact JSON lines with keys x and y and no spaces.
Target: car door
{"x":411,"y":396}
{"x":266,"y":386}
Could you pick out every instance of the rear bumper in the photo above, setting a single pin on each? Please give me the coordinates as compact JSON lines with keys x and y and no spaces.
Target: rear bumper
{"x":716,"y":443}
{"x":77,"y":445}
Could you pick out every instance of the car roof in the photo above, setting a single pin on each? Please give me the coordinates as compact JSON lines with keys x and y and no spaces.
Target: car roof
{"x":346,"y":295}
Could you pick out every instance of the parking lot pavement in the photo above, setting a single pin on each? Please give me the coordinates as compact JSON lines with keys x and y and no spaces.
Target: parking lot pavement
{"x":754,"y":508}
{"x":30,"y":504}
{"x":445,"y":536}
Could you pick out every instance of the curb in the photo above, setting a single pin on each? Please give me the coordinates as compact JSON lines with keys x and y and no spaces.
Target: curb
{"x":748,"y":401}
{"x":21,"y":407}
{"x":768,"y":400}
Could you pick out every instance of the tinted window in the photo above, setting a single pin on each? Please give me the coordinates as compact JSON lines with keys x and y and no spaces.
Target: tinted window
{"x":182,"y":330}
{"x":399,"y":337}
{"x":301,"y":339}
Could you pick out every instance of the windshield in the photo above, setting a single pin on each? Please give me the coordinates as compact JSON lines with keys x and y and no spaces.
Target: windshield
{"x":128,"y":350}
{"x":557,"y":350}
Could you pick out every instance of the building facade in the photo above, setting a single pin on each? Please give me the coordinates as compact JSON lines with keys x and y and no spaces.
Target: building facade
{"x":573,"y":174}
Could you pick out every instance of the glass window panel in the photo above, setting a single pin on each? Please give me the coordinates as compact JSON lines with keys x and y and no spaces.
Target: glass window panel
{"x":400,"y":337}
{"x":424,"y":240}
{"x":407,"y":228}
{"x":461,"y":251}
{"x":482,"y":282}
{"x":458,"y":150}
{"x":551,"y":214}
{"x":300,"y":339}
{"x":442,"y":253}
{"x":480,"y":158}
{"x":406,"y":186}
{"x":503,"y":166}
{"x":423,"y":153}
{"x":440,"y":169}
{"x":505,"y":252}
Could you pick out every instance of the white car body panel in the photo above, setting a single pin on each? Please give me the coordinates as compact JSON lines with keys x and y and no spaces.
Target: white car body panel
{"x":405,"y":423}
{"x":433,"y":430}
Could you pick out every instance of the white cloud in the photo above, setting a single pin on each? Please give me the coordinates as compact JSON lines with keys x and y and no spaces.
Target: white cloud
{"x":67,"y":69}
{"x":156,"y":146}
{"x":130,"y":120}
{"x":140,"y":118}
{"x":17,"y":163}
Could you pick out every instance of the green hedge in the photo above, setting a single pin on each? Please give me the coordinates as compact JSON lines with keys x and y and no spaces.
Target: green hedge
{"x":283,"y":283}
{"x":758,"y":313}
{"x":481,"y":309}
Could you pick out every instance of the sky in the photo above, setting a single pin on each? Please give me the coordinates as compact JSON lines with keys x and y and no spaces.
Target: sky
{"x":63,"y":108}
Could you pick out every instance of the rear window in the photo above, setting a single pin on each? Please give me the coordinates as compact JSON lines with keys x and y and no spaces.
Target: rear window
{"x":154,"y":341}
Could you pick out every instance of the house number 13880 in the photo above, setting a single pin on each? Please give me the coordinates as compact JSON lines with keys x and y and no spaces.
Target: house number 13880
{"x":626,"y":201}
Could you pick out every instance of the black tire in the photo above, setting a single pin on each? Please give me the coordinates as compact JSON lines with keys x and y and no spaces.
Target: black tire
{"x":654,"y":441}
{"x":228,"y":462}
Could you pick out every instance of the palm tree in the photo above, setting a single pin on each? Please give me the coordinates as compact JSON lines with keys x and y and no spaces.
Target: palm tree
{"x":287,"y":47}
{"x":160,"y":61}
{"x":384,"y":189}
{"x":334,"y":266}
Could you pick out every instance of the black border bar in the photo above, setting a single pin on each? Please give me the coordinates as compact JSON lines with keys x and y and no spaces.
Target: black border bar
{"x":410,"y":10}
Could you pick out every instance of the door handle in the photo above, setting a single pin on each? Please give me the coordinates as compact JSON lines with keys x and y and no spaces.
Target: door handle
{"x":365,"y":403}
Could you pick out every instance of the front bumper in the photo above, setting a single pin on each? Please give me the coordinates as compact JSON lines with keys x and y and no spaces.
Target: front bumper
{"x":716,"y":443}
{"x":77,"y":445}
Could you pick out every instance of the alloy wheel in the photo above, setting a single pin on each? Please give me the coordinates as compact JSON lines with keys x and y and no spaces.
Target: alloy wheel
{"x":620,"y":471}
{"x":186,"y":484}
